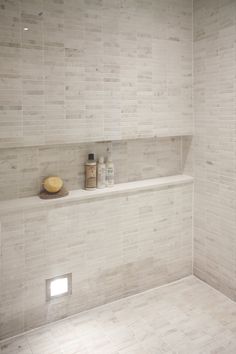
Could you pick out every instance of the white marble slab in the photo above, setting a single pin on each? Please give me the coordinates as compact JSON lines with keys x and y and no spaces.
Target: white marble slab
{"x":80,"y":195}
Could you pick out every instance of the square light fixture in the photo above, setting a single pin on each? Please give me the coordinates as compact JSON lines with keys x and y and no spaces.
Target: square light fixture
{"x":58,"y":286}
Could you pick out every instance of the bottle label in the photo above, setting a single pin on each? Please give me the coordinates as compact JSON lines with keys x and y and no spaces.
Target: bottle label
{"x":110,"y":176}
{"x":90,"y":180}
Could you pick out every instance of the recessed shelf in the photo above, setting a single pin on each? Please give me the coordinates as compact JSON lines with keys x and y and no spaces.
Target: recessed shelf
{"x":77,"y":196}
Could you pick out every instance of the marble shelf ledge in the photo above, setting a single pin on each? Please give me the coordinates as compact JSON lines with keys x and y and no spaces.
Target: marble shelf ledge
{"x":77,"y":196}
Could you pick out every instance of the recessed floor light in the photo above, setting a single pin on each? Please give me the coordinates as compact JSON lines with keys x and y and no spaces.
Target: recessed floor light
{"x":58,"y":286}
{"x":26,"y":29}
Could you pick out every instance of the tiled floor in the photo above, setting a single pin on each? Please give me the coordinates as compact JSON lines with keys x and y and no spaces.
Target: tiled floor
{"x":184,"y":317}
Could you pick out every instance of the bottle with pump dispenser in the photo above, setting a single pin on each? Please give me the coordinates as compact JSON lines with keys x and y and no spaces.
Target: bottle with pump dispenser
{"x":110,"y":173}
{"x":101,"y":173}
{"x":91,"y":173}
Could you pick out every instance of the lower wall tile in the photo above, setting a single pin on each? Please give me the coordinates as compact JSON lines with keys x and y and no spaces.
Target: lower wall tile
{"x":114,"y":247}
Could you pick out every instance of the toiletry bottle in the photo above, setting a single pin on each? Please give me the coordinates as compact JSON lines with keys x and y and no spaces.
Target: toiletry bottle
{"x":101,"y":173}
{"x":90,"y":173}
{"x":109,"y":171}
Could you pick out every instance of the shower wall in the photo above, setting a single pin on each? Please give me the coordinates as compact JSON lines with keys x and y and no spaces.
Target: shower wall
{"x":215,"y":143}
{"x":114,"y":247}
{"x":94,"y":70}
{"x":86,"y":72}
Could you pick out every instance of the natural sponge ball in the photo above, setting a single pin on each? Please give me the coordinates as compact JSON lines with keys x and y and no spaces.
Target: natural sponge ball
{"x":53,"y":184}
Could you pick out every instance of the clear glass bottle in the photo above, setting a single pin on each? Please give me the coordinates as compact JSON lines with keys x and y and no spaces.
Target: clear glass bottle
{"x":110,"y":172}
{"x":101,"y":173}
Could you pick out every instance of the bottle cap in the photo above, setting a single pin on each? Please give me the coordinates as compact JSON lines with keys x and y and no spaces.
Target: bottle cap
{"x":91,"y":156}
{"x":101,"y":159}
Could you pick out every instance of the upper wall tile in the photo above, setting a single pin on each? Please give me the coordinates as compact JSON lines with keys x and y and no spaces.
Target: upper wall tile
{"x":94,"y":70}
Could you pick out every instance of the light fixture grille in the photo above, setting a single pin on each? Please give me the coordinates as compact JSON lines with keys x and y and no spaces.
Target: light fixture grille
{"x":58,"y":286}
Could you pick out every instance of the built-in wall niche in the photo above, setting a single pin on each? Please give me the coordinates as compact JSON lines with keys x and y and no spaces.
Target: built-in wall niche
{"x":24,"y":169}
{"x":92,"y":71}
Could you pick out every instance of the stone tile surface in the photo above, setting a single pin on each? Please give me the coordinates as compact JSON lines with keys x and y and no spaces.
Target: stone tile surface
{"x":215,"y":143}
{"x":94,"y":70}
{"x":181,"y":318}
{"x":113,"y":246}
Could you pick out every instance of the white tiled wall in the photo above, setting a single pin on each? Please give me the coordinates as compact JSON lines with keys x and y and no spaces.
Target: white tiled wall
{"x":94,"y":70}
{"x":89,"y":71}
{"x":114,"y":247}
{"x":215,"y":143}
